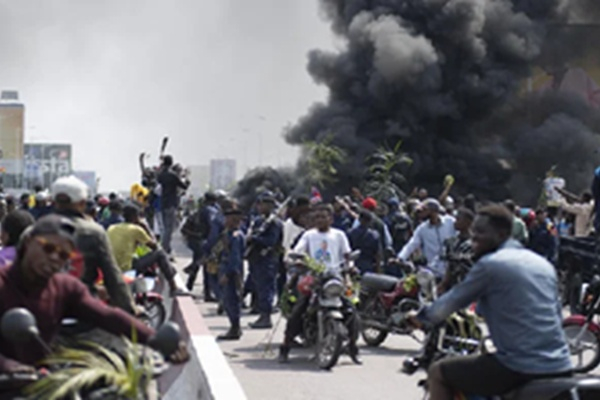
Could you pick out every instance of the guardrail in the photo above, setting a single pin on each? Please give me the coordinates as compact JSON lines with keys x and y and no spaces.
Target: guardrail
{"x":207,"y":376}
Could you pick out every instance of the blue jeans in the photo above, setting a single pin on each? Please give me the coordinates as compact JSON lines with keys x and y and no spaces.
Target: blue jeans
{"x":169,"y":221}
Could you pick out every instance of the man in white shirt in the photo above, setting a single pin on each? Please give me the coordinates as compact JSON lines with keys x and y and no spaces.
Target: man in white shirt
{"x":330,"y":247}
{"x":327,"y":245}
{"x":429,"y":237}
{"x":582,"y":208}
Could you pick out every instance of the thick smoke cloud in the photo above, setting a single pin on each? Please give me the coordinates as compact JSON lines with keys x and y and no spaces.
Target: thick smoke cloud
{"x":435,"y":74}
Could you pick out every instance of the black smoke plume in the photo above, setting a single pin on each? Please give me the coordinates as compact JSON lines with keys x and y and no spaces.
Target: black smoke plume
{"x":446,"y":78}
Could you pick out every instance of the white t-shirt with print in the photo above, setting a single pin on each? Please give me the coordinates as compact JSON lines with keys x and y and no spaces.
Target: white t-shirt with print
{"x":328,"y":248}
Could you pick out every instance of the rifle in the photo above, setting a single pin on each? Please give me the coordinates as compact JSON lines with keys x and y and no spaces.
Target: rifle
{"x":263,"y":228}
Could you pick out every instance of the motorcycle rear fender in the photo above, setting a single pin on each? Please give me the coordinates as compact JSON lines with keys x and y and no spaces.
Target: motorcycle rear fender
{"x":581,"y":320}
{"x":151,"y":296}
{"x":335,"y":314}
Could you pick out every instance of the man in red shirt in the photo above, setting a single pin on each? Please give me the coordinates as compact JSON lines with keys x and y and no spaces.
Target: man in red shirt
{"x":36,"y":282}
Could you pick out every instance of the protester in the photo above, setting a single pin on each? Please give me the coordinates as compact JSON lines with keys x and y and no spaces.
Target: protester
{"x":520,"y":232}
{"x":93,"y":249}
{"x":34,"y":281}
{"x":399,"y":224}
{"x":330,"y":247}
{"x":581,"y":207}
{"x":125,"y":238}
{"x":115,"y":215}
{"x":366,"y":239}
{"x":13,"y":226}
{"x":429,"y":237}
{"x":170,"y":183}
{"x":505,"y":277}
{"x":542,"y":236}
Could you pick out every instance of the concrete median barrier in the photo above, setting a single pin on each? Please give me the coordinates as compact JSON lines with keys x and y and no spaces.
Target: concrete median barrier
{"x":207,"y":376}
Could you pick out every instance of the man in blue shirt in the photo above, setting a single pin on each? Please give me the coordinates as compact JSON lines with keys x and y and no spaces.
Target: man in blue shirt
{"x":517,"y":294}
{"x":366,"y":239}
{"x":231,"y":272}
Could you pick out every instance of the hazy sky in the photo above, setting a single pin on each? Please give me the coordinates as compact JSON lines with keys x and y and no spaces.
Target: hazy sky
{"x":114,"y":76}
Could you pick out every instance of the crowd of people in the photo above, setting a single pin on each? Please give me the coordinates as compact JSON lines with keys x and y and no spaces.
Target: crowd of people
{"x":64,"y":254}
{"x":98,"y":239}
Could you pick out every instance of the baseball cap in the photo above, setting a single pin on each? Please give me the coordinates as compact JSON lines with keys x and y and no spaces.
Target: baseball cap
{"x":369,"y":203}
{"x":70,"y":186}
{"x":432,"y":204}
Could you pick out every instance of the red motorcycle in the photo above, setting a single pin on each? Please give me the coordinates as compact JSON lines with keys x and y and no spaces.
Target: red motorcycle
{"x":385,"y":300}
{"x":583,"y":330}
{"x":145,"y":288}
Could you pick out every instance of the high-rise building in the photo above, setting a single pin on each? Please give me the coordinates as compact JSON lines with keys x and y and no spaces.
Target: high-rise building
{"x":199,"y":179}
{"x":222,"y":174}
{"x":12,"y":126}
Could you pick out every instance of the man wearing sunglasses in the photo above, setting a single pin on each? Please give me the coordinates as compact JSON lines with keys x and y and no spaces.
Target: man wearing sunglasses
{"x":70,"y":195}
{"x":34,"y":282}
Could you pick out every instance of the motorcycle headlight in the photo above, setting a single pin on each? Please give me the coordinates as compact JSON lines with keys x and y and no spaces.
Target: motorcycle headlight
{"x":424,"y":278}
{"x":333,"y":288}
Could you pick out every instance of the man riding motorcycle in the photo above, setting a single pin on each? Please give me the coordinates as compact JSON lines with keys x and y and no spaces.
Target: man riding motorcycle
{"x":429,"y":237}
{"x":94,"y":252}
{"x":328,"y":246}
{"x":517,"y":294}
{"x":34,"y":282}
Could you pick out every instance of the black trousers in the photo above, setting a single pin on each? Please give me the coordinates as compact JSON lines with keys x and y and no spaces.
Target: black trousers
{"x":485,"y":376}
{"x":158,"y":257}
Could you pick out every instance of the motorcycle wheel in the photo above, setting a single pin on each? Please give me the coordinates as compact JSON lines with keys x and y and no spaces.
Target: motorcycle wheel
{"x":588,"y":341}
{"x":373,"y":337}
{"x":156,"y":314}
{"x":330,"y":348}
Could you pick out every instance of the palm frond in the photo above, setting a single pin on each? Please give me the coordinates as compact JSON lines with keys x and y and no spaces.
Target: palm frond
{"x":87,"y":365}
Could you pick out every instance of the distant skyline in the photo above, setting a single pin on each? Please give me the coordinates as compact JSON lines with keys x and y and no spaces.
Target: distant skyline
{"x":114,"y":77}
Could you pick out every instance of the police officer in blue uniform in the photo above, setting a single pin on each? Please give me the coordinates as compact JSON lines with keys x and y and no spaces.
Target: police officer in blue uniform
{"x":262,"y":251}
{"x":231,"y":272}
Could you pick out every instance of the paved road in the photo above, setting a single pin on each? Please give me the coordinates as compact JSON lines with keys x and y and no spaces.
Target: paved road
{"x":263,"y":378}
{"x":254,"y":363}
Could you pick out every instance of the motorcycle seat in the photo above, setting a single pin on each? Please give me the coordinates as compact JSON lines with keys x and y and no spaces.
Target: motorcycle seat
{"x":378,"y":283}
{"x":544,"y":389}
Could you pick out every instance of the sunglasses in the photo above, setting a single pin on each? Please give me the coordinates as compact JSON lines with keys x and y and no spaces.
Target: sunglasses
{"x":51,"y":248}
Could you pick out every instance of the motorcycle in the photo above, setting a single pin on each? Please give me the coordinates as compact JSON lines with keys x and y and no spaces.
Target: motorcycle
{"x":146,"y":296}
{"x":18,"y":325}
{"x":328,"y":312}
{"x":385,"y":300}
{"x":461,"y":335}
{"x":583,"y":331}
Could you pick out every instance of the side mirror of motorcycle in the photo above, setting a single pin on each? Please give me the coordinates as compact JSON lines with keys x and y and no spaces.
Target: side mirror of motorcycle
{"x":18,"y":325}
{"x":354,"y":255}
{"x":166,"y":339}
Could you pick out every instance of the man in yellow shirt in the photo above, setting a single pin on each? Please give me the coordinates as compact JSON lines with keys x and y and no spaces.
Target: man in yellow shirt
{"x":125,"y":239}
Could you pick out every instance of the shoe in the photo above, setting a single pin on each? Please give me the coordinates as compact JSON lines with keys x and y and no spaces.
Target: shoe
{"x":220,"y":309}
{"x":190,"y":285}
{"x":353,"y":353}
{"x":189,"y":269}
{"x":263,"y":322}
{"x":284,"y":354}
{"x":234,"y":333}
{"x":172,"y":259}
{"x":209,"y":299}
{"x":410,"y":366}
{"x":254,"y":311}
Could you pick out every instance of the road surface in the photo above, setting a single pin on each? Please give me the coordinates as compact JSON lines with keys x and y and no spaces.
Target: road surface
{"x":255,"y":364}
